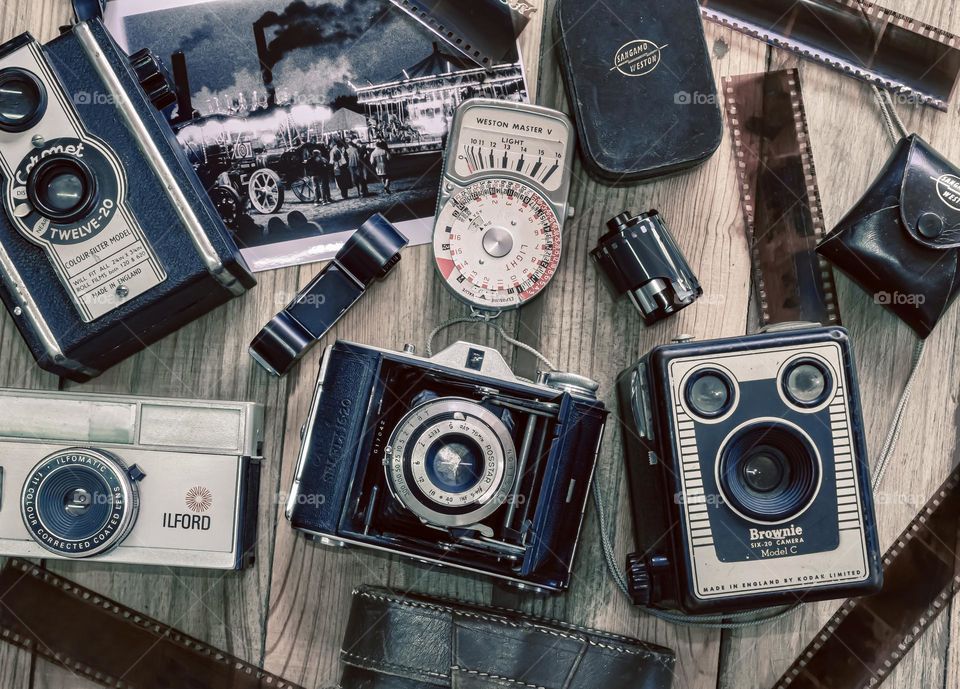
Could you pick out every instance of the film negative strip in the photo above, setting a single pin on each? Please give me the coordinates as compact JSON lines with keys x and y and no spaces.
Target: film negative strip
{"x":110,"y":644}
{"x":486,"y":31}
{"x":857,"y":38}
{"x":865,"y":640}
{"x":780,"y":198}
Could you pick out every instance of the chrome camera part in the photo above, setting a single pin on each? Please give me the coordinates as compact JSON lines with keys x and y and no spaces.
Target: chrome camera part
{"x":135,"y":481}
{"x":450,"y":460}
{"x":749,"y":473}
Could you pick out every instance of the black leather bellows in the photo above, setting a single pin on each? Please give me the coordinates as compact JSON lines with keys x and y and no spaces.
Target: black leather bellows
{"x":900,"y":242}
{"x":414,"y":642}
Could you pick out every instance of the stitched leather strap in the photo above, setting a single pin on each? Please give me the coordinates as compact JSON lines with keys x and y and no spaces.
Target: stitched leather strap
{"x":414,"y":642}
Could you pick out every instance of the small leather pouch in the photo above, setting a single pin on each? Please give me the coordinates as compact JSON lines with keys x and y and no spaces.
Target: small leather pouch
{"x":900,"y":242}
{"x":414,"y":642}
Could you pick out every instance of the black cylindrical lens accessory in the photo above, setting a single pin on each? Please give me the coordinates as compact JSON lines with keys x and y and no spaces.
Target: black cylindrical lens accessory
{"x":640,"y":258}
{"x":369,"y":255}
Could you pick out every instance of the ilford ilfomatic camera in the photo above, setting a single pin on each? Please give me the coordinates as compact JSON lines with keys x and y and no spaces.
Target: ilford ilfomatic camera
{"x":451,"y":460}
{"x":138,"y":481}
{"x":748,"y":473}
{"x":108,"y":241}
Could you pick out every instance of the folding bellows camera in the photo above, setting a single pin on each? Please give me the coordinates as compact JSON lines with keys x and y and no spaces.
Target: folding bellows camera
{"x":104,"y":247}
{"x":451,"y":460}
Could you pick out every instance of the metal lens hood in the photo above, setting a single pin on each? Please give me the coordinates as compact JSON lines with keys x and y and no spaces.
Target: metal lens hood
{"x":369,"y":255}
{"x":640,"y":258}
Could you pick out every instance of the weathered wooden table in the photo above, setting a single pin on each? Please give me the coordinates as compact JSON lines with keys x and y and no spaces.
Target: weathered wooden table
{"x":289,"y":611}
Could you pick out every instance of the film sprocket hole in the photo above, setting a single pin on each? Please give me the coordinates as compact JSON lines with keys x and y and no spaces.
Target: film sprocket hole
{"x":450,"y":460}
{"x":108,"y":241}
{"x":748,"y":472}
{"x":122,"y":480}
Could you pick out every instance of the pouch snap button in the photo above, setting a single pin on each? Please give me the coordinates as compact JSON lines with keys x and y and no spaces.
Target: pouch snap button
{"x":930,"y":225}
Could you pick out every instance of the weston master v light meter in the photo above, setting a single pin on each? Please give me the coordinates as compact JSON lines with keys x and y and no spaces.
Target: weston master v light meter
{"x":503,"y":202}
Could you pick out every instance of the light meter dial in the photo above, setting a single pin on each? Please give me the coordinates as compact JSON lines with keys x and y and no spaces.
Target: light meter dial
{"x":497,"y":238}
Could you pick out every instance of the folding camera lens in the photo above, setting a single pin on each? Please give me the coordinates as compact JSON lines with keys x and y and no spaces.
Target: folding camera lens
{"x":807,"y":383}
{"x":62,"y":188}
{"x":710,"y":393}
{"x":23,"y":100}
{"x":455,"y":464}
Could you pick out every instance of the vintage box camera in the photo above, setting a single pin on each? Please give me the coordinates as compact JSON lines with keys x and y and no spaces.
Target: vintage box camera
{"x":138,"y":481}
{"x":108,"y":241}
{"x":748,"y":473}
{"x":450,"y":460}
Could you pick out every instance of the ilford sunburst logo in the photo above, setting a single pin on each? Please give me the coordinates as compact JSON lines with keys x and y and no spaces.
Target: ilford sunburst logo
{"x":638,"y":58}
{"x":199,"y":499}
{"x":948,"y":188}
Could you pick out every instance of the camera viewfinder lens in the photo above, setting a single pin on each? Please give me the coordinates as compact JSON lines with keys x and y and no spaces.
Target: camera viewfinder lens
{"x":709,"y":394}
{"x":22,"y":100}
{"x":806,"y":383}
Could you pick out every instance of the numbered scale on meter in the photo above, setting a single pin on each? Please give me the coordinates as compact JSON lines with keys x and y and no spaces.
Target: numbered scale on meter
{"x":503,"y":202}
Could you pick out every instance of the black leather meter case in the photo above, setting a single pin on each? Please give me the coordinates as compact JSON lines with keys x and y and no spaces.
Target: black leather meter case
{"x":901,"y":242}
{"x":640,"y":84}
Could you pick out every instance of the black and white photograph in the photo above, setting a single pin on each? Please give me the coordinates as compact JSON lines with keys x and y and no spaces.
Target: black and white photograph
{"x":303,"y":119}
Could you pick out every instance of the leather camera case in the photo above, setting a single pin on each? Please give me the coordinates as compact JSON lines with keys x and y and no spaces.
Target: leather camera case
{"x":900,"y":242}
{"x":415,"y":642}
{"x":641,"y":86}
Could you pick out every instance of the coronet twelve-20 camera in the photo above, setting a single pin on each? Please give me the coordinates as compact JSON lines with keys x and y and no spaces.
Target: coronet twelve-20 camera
{"x":748,"y":473}
{"x":450,"y":460}
{"x":108,"y":241}
{"x":129,"y":480}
